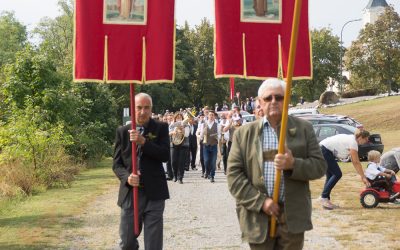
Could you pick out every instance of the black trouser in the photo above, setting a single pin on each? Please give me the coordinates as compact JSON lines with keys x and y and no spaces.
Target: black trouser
{"x":179,"y":155}
{"x":381,"y":181}
{"x":150,"y":218}
{"x":203,"y":169}
{"x":169,"y":166}
{"x":226,"y":148}
{"x":193,"y":152}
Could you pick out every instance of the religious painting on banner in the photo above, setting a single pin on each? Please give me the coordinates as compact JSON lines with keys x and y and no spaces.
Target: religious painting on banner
{"x":261,"y":11}
{"x":252,"y":39}
{"x":124,"y":41}
{"x":125,"y":12}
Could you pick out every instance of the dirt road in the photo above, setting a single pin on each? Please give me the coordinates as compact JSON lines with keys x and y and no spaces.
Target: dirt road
{"x":199,"y":215}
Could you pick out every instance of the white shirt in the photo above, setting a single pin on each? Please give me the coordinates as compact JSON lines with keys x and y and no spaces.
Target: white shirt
{"x":373,"y":170}
{"x":225,"y":123}
{"x":340,"y":145}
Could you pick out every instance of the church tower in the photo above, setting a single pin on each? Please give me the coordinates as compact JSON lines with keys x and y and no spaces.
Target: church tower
{"x":373,"y":10}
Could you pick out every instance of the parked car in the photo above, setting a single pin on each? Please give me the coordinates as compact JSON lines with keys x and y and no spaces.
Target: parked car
{"x":325,"y":119}
{"x":245,"y":115}
{"x":297,"y":112}
{"x":323,"y":131}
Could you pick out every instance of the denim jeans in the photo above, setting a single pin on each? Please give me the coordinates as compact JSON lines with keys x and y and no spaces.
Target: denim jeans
{"x":333,"y":173}
{"x":210,"y":159}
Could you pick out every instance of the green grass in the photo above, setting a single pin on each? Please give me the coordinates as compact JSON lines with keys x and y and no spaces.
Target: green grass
{"x":37,"y":221}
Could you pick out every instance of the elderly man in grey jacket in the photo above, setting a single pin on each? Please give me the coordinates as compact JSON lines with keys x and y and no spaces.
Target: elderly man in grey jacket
{"x":251,"y":174}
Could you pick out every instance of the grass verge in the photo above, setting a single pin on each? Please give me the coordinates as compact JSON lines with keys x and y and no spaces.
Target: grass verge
{"x":37,"y":221}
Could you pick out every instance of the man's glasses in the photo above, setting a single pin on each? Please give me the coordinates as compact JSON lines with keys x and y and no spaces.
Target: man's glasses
{"x":278,"y":98}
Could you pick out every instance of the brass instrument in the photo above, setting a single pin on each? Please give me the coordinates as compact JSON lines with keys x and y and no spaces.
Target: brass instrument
{"x":179,"y":136}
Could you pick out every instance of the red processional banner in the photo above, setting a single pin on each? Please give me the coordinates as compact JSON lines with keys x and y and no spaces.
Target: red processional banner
{"x":252,"y":39}
{"x":124,"y":41}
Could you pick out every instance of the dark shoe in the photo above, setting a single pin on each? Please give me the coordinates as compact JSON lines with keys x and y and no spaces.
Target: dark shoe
{"x":169,"y":178}
{"x":194,"y":168}
{"x":186,"y":169}
{"x":180,"y":182}
{"x":202,"y":175}
{"x":212,"y":180}
{"x":206,"y":176}
{"x":224,"y":172}
{"x":175,"y":179}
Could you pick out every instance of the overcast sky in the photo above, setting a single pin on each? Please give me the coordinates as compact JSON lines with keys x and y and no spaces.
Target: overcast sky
{"x":323,"y":13}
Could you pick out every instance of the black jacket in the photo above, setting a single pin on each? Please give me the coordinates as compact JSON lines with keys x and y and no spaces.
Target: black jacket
{"x":154,"y":152}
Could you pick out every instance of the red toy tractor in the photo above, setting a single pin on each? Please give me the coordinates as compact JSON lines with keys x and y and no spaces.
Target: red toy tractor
{"x":370,"y":197}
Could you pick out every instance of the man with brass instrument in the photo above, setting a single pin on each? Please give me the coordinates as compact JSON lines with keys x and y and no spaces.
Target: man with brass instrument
{"x":252,"y":164}
{"x":179,"y":131}
{"x":210,"y":132}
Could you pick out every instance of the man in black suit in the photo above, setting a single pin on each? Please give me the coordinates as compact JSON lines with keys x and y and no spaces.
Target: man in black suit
{"x":152,"y":140}
{"x":193,"y":143}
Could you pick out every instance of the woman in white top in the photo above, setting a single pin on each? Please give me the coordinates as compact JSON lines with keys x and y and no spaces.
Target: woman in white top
{"x":341,"y":146}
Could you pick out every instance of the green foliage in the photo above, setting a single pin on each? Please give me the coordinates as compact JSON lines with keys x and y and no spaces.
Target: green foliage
{"x":326,"y":60}
{"x":374,"y":58}
{"x":32,"y":77}
{"x":206,"y":90}
{"x":32,"y":153}
{"x":13,"y":37}
{"x":57,"y":38}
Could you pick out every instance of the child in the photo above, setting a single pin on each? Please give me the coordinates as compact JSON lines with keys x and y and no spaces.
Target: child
{"x":378,"y":175}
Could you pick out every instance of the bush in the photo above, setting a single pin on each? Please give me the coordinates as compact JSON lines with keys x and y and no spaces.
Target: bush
{"x":16,"y":179}
{"x":359,"y":92}
{"x":33,"y":155}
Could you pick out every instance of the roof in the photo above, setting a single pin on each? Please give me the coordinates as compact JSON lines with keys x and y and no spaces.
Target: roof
{"x":376,"y":3}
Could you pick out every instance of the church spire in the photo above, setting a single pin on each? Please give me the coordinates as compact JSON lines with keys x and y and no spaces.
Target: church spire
{"x":373,"y":10}
{"x":376,"y":3}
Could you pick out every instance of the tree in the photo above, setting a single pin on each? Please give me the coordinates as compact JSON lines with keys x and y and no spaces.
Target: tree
{"x":13,"y":37}
{"x":374,"y":58}
{"x":57,"y":38}
{"x":326,"y":60}
{"x":205,"y":88}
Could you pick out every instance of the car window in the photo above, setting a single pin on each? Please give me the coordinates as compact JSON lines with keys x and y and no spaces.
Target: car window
{"x":313,"y":122}
{"x":325,"y":132}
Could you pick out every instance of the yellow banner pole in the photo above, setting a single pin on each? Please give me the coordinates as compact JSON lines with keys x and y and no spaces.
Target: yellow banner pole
{"x":282,"y":136}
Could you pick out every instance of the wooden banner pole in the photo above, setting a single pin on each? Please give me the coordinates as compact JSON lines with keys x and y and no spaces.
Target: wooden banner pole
{"x":282,"y":136}
{"x":134,"y":164}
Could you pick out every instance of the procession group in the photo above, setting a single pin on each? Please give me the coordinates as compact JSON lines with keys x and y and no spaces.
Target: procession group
{"x":207,"y":136}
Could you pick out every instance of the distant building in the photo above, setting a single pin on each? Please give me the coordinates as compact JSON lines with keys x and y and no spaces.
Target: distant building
{"x":373,"y":10}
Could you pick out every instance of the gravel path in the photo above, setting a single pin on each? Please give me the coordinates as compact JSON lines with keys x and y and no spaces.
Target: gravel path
{"x":199,"y":215}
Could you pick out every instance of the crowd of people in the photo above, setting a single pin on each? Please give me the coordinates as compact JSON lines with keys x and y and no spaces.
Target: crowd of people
{"x":207,"y":135}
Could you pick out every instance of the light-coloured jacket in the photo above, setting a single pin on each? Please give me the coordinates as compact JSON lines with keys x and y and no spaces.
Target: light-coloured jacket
{"x":246,"y":180}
